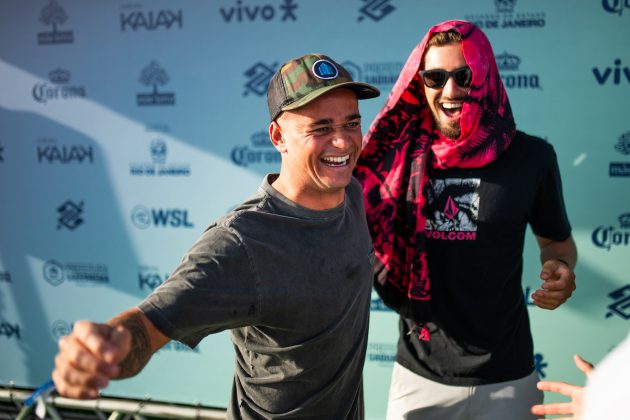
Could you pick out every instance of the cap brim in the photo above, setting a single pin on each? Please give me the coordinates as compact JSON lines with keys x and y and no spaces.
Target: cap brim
{"x":362,"y":90}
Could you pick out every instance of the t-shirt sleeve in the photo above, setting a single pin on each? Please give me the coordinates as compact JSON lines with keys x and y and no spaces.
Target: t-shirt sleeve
{"x":549,"y":217}
{"x":213,"y":289}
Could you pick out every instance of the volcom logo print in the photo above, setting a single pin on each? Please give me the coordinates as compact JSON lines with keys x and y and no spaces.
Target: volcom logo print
{"x":452,"y":209}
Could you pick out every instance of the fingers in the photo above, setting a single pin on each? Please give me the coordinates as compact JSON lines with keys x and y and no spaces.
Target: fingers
{"x":558,"y":387}
{"x":552,"y":408}
{"x":583,"y":365}
{"x":88,"y":358}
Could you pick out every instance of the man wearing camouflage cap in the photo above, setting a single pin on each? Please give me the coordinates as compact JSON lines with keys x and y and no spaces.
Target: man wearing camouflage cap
{"x":289,"y":271}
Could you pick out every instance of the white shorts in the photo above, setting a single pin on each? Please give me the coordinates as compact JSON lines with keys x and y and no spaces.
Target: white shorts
{"x":413,"y":397}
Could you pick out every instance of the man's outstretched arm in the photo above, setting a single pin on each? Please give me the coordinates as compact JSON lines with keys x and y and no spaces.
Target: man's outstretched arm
{"x":95,"y":353}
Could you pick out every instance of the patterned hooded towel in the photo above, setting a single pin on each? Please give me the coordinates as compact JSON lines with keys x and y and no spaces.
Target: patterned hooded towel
{"x":397,"y":148}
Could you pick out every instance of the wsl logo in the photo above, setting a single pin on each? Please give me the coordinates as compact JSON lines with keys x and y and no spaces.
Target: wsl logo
{"x":616,"y":6}
{"x":615,"y":74}
{"x":58,"y":89}
{"x":154,"y":75}
{"x":240,"y":13}
{"x":621,"y":169}
{"x":49,"y":152}
{"x":56,"y":273}
{"x":607,"y":237}
{"x":259,"y":76}
{"x":382,"y":75}
{"x":505,"y":18}
{"x":70,"y":215}
{"x":10,"y":331}
{"x":143,"y":218}
{"x":158,"y":166}
{"x":149,"y":278}
{"x":621,"y":305}
{"x":375,"y":10}
{"x":453,"y":209}
{"x":151,"y":21}
{"x":508,"y":63}
{"x":52,"y":15}
{"x":259,"y":152}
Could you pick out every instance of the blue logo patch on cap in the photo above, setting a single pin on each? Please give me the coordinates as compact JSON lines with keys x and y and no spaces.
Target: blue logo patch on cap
{"x":324,"y":69}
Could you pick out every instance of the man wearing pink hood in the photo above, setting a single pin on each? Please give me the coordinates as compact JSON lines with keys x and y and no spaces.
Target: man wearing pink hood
{"x":450,"y":187}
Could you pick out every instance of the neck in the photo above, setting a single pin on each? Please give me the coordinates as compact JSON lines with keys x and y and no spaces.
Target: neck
{"x":309,"y":199}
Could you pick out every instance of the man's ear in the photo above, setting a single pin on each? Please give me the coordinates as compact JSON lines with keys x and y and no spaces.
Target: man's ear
{"x":275,"y":134}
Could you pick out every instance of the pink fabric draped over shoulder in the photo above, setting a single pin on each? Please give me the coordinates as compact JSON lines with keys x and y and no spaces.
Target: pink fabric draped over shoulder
{"x":402,"y":143}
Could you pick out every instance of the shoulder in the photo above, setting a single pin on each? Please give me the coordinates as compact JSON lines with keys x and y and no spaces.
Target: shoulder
{"x":526,"y":145}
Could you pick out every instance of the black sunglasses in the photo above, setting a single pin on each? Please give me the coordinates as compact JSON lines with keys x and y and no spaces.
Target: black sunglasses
{"x":437,"y":78}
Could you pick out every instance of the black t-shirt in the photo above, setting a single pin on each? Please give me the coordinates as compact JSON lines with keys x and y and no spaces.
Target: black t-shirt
{"x":476,"y":224}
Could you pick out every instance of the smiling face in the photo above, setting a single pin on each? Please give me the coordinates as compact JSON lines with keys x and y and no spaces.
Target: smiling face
{"x":446,"y":103}
{"x":320,"y":144}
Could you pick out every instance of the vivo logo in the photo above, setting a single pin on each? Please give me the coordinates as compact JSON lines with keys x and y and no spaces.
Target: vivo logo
{"x":617,"y":72}
{"x":267,"y":12}
{"x":615,"y":6}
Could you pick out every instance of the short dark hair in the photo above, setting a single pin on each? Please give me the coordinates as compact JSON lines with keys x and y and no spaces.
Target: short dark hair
{"x":444,"y":38}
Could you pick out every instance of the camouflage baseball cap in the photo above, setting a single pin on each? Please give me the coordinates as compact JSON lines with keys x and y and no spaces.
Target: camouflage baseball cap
{"x":303,"y":79}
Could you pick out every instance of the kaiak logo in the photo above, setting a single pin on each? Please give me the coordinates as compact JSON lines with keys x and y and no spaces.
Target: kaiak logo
{"x":143,"y":218}
{"x":149,"y":278}
{"x":453,"y":209}
{"x":158,"y":165}
{"x":259,"y":76}
{"x":505,"y":18}
{"x":508,"y":63}
{"x":383,"y":74}
{"x":621,"y":169}
{"x":616,"y":6}
{"x":154,"y":75}
{"x":50,"y":152}
{"x":261,"y":151}
{"x":83,"y":273}
{"x":375,"y":10}
{"x":608,"y":236}
{"x":615,"y":74}
{"x":9,"y":330}
{"x":621,"y":304}
{"x":52,"y":15}
{"x":61,"y":328}
{"x":70,"y":215}
{"x":540,"y":365}
{"x":58,"y":89}
{"x":266,"y":12}
{"x":152,"y":20}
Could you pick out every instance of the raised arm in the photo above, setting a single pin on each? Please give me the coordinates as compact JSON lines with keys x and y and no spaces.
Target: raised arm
{"x":95,"y":353}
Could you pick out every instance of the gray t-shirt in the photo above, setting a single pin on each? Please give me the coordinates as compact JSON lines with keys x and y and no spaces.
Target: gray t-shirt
{"x":293,"y":285}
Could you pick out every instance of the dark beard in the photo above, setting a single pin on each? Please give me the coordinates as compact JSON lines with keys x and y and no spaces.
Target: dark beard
{"x":450,"y":131}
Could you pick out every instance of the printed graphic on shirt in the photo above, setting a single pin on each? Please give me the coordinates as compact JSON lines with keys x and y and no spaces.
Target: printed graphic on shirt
{"x":453,"y":209}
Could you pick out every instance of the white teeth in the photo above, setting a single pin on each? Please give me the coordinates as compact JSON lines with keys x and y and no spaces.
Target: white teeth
{"x":450,"y":105}
{"x":336,"y":159}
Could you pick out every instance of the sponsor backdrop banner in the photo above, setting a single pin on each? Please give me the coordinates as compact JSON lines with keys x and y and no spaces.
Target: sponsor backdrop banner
{"x":126,"y":127}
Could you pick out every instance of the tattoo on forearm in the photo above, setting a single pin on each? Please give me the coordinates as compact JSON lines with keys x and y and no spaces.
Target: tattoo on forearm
{"x":140,"y":352}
